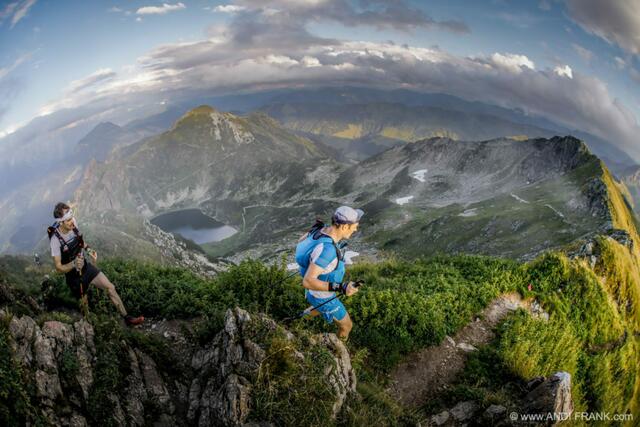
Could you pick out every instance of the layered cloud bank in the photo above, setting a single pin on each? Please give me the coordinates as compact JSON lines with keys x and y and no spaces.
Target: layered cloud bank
{"x":267,"y":45}
{"x":615,"y":21}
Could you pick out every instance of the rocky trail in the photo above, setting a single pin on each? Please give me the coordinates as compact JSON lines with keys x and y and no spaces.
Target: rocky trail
{"x":426,"y":373}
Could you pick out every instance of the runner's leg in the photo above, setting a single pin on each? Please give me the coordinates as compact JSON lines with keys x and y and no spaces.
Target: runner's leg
{"x":312,"y":313}
{"x":344,"y":326}
{"x":102,"y":282}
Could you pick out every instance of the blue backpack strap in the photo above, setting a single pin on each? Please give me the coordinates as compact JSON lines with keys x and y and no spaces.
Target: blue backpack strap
{"x":317,"y":235}
{"x":337,"y":275}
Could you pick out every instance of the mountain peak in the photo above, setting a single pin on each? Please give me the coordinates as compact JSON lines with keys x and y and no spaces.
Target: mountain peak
{"x":103,"y":131}
{"x":203,"y":109}
{"x":197,"y":114}
{"x":107,"y":125}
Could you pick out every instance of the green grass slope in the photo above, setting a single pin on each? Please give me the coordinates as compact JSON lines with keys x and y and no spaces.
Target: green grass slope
{"x":593,"y":330}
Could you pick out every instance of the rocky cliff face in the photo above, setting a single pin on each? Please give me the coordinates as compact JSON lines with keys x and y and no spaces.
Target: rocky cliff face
{"x":208,"y":385}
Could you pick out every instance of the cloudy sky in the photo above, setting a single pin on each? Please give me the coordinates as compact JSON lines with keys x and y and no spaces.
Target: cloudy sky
{"x":576,"y":62}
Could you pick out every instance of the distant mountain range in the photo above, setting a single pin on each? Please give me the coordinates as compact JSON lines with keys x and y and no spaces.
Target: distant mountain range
{"x":339,"y":126}
{"x":501,"y":197}
{"x":359,"y":122}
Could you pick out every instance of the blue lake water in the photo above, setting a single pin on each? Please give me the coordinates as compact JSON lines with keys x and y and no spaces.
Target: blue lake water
{"x":192,"y":224}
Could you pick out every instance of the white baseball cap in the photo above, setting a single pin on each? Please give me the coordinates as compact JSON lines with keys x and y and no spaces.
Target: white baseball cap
{"x":347,"y":215}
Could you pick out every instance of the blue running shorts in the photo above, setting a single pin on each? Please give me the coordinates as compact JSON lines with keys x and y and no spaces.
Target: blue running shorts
{"x":330,"y":311}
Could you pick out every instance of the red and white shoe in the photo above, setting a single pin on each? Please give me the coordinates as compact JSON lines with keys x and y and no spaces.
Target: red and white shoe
{"x":132,"y":321}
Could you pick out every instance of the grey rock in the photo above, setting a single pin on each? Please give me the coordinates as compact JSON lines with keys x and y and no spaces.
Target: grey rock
{"x":224,"y":370}
{"x":23,"y":332}
{"x":135,"y":393}
{"x":118,"y":414}
{"x":77,"y":420}
{"x":588,"y":248}
{"x":553,"y":396}
{"x":441,"y":418}
{"x":466,"y":347}
{"x":231,"y":401}
{"x":495,"y":410}
{"x":84,"y":352}
{"x":48,"y":386}
{"x":223,"y":367}
{"x":534,"y":382}
{"x":341,"y":375}
{"x":44,"y":353}
{"x":464,"y":410}
{"x":154,"y":383}
{"x":494,"y":413}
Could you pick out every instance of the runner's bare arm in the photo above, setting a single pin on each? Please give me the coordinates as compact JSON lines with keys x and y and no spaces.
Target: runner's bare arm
{"x":311,"y":281}
{"x":63,"y":268}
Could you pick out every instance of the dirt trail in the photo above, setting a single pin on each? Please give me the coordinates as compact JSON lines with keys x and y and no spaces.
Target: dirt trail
{"x":429,"y":371}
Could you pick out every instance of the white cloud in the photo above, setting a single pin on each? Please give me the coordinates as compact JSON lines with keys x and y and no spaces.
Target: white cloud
{"x":16,"y":10}
{"x":620,"y":63}
{"x":521,"y":20}
{"x":7,"y":70}
{"x":584,"y":53}
{"x":98,"y":76}
{"x":11,"y":83}
{"x":512,"y":62}
{"x":138,"y":19}
{"x":309,"y":61}
{"x":115,"y":9}
{"x":229,"y":8}
{"x":160,"y":10}
{"x":614,"y":21}
{"x":213,"y":66}
{"x":396,"y":14}
{"x":256,"y":52}
{"x":565,"y":71}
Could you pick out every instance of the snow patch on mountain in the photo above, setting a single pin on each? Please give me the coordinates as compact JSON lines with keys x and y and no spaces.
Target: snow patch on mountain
{"x":519,"y":198}
{"x":217,"y":119}
{"x":240,"y":135}
{"x":403,"y":200}
{"x":419,"y":175}
{"x":469,"y":212}
{"x":349,"y":255}
{"x":560,"y":214}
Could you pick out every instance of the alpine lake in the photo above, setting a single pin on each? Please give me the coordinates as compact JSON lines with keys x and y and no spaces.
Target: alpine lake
{"x":192,"y":224}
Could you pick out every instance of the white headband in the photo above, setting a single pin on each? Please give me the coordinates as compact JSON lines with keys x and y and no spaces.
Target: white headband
{"x":66,"y":216}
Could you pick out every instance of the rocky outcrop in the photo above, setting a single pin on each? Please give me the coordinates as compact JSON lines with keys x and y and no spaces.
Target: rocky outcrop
{"x":548,"y":402}
{"x":551,"y":397}
{"x":63,"y":367}
{"x":59,"y":357}
{"x":226,"y":369}
{"x":221,"y":388}
{"x":175,"y":250}
{"x":340,"y":374}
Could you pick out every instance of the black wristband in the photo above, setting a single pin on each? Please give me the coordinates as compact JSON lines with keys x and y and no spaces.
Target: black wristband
{"x":333,"y":286}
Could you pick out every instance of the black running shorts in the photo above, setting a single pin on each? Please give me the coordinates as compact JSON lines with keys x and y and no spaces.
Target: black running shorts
{"x":75,"y":279}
